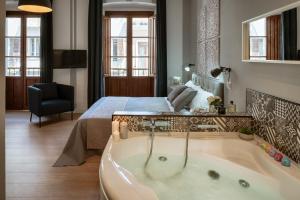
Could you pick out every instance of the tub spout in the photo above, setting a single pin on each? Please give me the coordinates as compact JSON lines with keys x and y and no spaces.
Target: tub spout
{"x":152,"y":126}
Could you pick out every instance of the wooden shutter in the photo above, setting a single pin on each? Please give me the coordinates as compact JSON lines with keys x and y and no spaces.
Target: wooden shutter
{"x":273,"y":37}
{"x":106,"y":46}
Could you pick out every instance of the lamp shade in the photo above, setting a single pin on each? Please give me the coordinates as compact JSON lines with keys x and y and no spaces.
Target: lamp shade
{"x":35,"y":6}
{"x":216,"y":72}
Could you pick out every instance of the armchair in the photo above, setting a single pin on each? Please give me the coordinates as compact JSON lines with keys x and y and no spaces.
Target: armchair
{"x":50,"y":98}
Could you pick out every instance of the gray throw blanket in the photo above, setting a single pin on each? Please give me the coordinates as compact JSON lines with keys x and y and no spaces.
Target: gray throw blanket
{"x":93,"y":129}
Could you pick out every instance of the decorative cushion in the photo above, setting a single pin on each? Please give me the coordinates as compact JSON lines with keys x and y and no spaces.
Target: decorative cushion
{"x":175,"y":92}
{"x":200,"y":100}
{"x":49,"y":90}
{"x":184,"y":99}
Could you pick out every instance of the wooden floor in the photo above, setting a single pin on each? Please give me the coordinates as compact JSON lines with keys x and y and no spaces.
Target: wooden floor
{"x":30,"y":154}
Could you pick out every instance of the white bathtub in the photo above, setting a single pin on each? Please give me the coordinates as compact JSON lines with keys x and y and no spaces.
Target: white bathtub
{"x":117,"y":183}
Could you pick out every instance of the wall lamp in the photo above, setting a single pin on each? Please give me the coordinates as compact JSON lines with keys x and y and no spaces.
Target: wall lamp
{"x":218,"y":71}
{"x":189,"y":67}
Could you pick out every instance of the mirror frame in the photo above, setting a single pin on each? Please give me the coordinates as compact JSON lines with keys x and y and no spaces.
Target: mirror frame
{"x":245,"y":36}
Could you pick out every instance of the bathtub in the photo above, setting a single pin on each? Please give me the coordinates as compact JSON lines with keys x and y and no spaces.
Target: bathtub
{"x":234,"y":160}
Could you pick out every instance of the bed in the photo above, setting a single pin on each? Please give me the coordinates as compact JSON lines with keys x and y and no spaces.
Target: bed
{"x":93,"y":129}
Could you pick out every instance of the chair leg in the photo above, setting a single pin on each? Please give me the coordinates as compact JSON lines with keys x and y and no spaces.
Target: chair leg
{"x":72,"y":115}
{"x":30,"y":117}
{"x":40,"y":122}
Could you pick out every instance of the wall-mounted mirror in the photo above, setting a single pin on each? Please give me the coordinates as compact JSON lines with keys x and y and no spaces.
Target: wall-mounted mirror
{"x":273,"y":37}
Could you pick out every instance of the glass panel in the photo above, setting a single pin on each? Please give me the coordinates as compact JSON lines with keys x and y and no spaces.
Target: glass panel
{"x":140,"y":63}
{"x":140,"y":47}
{"x":12,"y":47}
{"x":33,"y":27}
{"x":258,"y":27}
{"x":258,"y":47}
{"x":32,"y":62}
{"x":140,"y":66}
{"x":118,"y":27}
{"x":13,"y":66}
{"x":140,"y":27}
{"x":118,"y":66}
{"x":118,"y":47}
{"x":13,"y":27}
{"x":33,"y":47}
{"x":33,"y":72}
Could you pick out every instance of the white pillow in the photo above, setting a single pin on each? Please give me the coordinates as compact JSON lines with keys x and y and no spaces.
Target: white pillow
{"x":200,"y":100}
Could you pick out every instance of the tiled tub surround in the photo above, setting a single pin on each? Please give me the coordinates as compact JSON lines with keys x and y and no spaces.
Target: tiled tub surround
{"x":181,"y":123}
{"x":277,"y":121}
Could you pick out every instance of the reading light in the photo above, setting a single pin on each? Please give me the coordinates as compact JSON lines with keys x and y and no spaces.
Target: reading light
{"x":35,"y":6}
{"x":189,"y":67}
{"x":216,"y":72}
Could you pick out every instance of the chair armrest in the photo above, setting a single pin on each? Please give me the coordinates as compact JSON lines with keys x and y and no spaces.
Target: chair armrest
{"x":34,"y":100}
{"x":66,"y":92}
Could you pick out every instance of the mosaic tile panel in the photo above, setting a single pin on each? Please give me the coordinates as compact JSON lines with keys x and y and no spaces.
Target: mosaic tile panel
{"x":205,"y":123}
{"x":208,"y":48}
{"x":277,"y":121}
{"x":213,"y":25}
{"x":212,"y":54}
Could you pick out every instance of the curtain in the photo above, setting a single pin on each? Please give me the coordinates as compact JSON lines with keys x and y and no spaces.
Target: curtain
{"x":289,"y":35}
{"x":161,"y":38}
{"x":46,"y":48}
{"x":273,"y":37}
{"x":95,"y":71}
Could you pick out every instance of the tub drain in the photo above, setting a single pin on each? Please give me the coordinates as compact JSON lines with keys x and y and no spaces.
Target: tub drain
{"x":162,"y":158}
{"x":213,"y":175}
{"x":244,"y":183}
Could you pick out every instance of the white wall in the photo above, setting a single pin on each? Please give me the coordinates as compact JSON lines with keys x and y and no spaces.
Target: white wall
{"x":275,"y":79}
{"x":2,"y":101}
{"x":175,"y":37}
{"x":61,"y":40}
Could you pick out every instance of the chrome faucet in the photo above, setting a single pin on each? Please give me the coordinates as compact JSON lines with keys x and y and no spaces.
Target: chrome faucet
{"x":152,"y":124}
{"x":152,"y":127}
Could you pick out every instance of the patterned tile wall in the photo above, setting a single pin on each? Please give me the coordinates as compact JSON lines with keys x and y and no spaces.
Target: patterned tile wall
{"x":277,"y":121}
{"x":205,"y":123}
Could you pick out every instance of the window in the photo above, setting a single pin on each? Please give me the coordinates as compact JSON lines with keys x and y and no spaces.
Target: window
{"x":22,"y":46}
{"x":128,"y":44}
{"x":258,"y":40}
{"x":140,"y":47}
{"x":13,"y":46}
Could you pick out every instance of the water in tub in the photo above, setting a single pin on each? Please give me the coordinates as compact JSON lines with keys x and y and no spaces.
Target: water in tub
{"x":204,"y":178}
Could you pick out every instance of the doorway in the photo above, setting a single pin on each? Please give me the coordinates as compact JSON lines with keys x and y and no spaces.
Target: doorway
{"x":22,"y":57}
{"x":129,"y":54}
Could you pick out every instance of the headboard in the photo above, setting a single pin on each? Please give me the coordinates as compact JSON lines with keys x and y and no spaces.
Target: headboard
{"x":208,"y":84}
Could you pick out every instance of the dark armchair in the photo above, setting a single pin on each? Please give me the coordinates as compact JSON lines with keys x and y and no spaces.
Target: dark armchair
{"x":50,"y":98}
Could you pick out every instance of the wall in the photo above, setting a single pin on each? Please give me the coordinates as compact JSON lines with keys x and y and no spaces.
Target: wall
{"x":62,"y":40}
{"x":2,"y":102}
{"x":275,"y":79}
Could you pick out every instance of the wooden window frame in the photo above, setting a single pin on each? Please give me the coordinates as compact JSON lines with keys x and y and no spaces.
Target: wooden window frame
{"x":107,"y":38}
{"x":23,"y":48}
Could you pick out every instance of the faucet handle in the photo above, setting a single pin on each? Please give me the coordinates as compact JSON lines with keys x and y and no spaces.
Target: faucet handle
{"x":152,"y":124}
